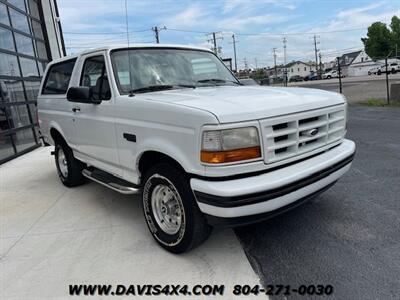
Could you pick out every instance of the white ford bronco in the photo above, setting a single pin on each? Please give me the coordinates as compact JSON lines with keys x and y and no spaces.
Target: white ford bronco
{"x":174,"y":124}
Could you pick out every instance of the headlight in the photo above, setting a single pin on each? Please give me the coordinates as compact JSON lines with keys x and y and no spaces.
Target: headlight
{"x":229,"y":145}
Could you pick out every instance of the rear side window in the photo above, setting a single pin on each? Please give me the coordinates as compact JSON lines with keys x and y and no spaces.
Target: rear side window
{"x":58,"y":77}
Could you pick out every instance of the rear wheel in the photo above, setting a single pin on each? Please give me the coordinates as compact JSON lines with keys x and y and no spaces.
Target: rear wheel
{"x":69,"y":169}
{"x":171,"y":211}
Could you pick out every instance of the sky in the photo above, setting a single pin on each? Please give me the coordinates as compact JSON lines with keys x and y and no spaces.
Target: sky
{"x":258,"y":25}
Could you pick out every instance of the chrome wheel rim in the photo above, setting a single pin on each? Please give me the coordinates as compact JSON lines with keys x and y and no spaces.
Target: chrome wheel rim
{"x":167,"y":208}
{"x":62,"y":163}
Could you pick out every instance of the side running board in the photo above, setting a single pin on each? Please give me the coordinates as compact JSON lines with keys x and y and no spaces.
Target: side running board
{"x":110,"y":181}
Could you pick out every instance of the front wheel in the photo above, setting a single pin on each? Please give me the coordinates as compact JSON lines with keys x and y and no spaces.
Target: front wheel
{"x":171,"y":211}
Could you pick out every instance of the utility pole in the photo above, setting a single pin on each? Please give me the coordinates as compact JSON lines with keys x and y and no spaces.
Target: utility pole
{"x":316,"y":53}
{"x":157,"y":33}
{"x":245,"y":63}
{"x":255,"y":61}
{"x":234,"y":50}
{"x":276,"y":71}
{"x":284,"y":61}
{"x":214,"y":39}
{"x":320,"y":64}
{"x":340,"y":74}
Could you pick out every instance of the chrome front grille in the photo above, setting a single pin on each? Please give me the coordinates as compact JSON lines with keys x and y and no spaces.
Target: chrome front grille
{"x":298,"y":134}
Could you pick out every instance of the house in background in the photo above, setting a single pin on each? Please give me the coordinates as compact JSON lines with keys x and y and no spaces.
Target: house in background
{"x":299,"y":68}
{"x":361,"y":64}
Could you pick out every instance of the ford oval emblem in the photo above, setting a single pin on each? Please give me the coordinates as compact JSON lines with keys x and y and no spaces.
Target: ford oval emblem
{"x":313,"y":131}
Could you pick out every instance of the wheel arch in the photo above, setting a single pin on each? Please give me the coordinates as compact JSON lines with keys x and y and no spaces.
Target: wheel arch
{"x":56,"y":135}
{"x":149,"y":158}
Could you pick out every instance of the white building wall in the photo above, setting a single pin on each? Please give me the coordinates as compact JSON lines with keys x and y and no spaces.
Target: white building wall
{"x":361,"y":64}
{"x":300,"y":69}
{"x":51,"y":21}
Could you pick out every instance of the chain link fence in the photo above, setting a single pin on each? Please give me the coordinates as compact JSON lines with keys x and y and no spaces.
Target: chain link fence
{"x":377,"y":80}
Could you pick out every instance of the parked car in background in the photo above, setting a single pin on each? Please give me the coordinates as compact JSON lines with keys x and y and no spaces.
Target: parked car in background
{"x":296,"y":78}
{"x":330,"y":74}
{"x":311,"y":76}
{"x":374,"y":70}
{"x":392,"y":68}
{"x":172,"y":123}
{"x":248,"y":81}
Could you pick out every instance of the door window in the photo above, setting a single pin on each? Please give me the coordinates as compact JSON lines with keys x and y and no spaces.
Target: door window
{"x":94,"y":75}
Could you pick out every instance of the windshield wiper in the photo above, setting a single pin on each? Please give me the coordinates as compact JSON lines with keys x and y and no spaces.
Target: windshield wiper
{"x":159,"y":87}
{"x":217,"y":80}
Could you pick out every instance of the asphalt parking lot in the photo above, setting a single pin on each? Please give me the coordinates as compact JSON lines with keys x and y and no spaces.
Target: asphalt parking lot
{"x":356,"y":89}
{"x":349,"y":237}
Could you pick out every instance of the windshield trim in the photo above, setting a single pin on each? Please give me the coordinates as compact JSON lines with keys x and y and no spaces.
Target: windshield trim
{"x":166,"y":47}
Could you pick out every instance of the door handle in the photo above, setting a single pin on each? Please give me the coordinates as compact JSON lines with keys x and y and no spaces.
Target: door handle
{"x":75,"y":109}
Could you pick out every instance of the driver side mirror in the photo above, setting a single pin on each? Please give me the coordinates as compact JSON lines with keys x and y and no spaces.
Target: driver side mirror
{"x":81,"y":94}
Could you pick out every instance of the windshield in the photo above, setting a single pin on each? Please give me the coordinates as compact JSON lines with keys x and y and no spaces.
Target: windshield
{"x":163,"y":67}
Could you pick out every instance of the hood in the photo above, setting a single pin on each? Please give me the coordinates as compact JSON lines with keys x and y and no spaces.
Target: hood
{"x":244,"y":103}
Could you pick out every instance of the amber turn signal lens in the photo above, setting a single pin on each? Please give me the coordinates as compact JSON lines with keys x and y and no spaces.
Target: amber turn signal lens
{"x":218,"y":157}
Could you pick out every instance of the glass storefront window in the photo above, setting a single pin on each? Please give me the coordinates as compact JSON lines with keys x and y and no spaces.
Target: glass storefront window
{"x":19,"y":21}
{"x":18,"y":3}
{"x":9,"y":65}
{"x":33,"y":109}
{"x":18,"y":116}
{"x":19,"y":74}
{"x":6,"y":148}
{"x":29,"y":67}
{"x":6,"y":40}
{"x":11,"y":91}
{"x":3,"y":15}
{"x":24,"y":139}
{"x":37,"y":29}
{"x":24,"y":44}
{"x":33,"y":9}
{"x":32,"y":90}
{"x":41,"y":50}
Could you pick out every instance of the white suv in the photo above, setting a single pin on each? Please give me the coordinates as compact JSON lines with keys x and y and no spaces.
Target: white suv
{"x":173,"y":123}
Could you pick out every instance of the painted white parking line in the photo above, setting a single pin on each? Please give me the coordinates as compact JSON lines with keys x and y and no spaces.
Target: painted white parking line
{"x":52,"y":236}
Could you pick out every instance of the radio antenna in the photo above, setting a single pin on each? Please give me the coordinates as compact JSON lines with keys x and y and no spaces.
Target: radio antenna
{"x":129,"y":51}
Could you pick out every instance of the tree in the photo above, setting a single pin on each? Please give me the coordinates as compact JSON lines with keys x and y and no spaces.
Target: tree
{"x":395,"y":27}
{"x":378,"y":42}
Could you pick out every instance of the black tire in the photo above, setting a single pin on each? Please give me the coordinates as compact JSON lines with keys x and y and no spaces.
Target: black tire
{"x":74,"y":167}
{"x":393,"y":71}
{"x":192,"y":229}
{"x":329,"y":77}
{"x":379,"y":72}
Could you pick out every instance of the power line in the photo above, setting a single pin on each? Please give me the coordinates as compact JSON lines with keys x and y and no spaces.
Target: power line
{"x":303,"y":33}
{"x":104,"y":33}
{"x":190,"y":31}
